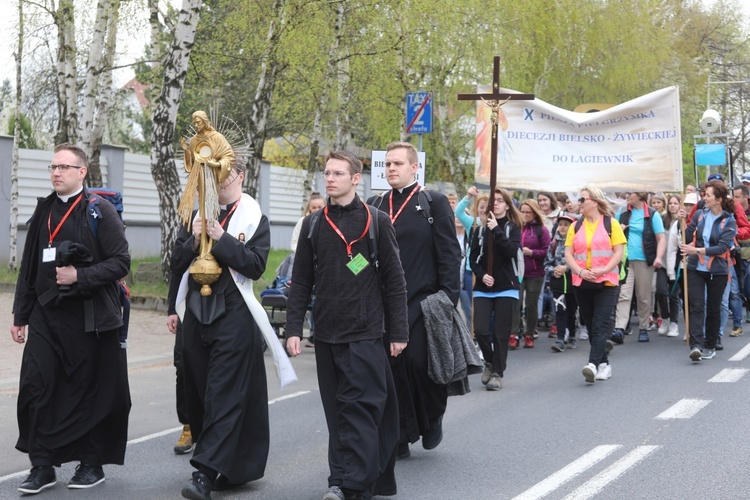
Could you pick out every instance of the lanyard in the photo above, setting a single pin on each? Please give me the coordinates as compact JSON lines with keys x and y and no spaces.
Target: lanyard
{"x":59,"y":225}
{"x":341,"y":235}
{"x":390,"y":204}
{"x":234,"y":207}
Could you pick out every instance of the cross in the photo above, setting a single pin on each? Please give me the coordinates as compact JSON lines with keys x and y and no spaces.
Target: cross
{"x":494,"y":101}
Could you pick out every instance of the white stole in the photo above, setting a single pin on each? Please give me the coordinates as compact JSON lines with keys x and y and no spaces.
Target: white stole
{"x":245,"y":220}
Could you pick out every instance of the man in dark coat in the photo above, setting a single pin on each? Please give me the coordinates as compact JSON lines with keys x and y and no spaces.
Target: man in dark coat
{"x":431,"y":258}
{"x":74,"y":399}
{"x":225,"y":375}
{"x":351,"y":295}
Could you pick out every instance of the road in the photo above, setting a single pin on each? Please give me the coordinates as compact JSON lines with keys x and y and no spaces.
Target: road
{"x":660,"y":428}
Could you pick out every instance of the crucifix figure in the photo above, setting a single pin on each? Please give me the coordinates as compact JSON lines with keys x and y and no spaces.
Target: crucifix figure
{"x":494,"y":101}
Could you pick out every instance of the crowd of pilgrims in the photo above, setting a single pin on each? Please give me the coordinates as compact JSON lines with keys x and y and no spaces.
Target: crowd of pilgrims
{"x":575,"y":299}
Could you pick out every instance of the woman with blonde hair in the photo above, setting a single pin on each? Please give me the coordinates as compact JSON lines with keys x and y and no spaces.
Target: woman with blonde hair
{"x":593,"y":250}
{"x":535,"y":240}
{"x":496,"y":288}
{"x":315,"y":203}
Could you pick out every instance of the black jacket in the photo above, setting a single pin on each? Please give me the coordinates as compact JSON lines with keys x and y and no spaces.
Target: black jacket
{"x":505,"y":250}
{"x":347,"y":308}
{"x":111,"y":261}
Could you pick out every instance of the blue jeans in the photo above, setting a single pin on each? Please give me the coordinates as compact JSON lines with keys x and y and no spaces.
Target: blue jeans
{"x":731,"y":300}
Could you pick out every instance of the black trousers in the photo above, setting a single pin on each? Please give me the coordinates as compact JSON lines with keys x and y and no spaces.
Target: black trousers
{"x":711,"y":286}
{"x":565,"y":312}
{"x":179,"y":365}
{"x":495,"y":349}
{"x":361,"y":409}
{"x":596,"y":306}
{"x":668,"y":301}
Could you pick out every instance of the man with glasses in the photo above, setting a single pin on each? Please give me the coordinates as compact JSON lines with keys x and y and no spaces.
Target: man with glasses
{"x":351,"y":297}
{"x":225,"y":376}
{"x":74,"y":399}
{"x":430,"y":256}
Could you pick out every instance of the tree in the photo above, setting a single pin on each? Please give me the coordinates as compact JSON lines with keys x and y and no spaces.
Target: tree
{"x":163,"y":168}
{"x":13,"y":254}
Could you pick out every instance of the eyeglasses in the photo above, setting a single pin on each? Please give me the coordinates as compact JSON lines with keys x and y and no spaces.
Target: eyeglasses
{"x":62,"y":168}
{"x":583,"y":198}
{"x":335,"y":173}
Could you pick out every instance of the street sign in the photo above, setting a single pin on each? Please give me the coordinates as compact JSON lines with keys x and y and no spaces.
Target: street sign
{"x":378,"y":181}
{"x":418,"y":112}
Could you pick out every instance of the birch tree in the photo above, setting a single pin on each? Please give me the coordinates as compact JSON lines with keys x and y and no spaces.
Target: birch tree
{"x":13,"y":253}
{"x":163,"y":168}
{"x":64,"y":19}
{"x":261,"y":106}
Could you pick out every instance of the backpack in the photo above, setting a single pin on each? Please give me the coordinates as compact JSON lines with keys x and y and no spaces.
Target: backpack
{"x":94,"y":214}
{"x":372,"y":236}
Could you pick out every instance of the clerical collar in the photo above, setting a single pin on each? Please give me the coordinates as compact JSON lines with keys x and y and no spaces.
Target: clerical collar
{"x":65,"y":198}
{"x":228,"y":205}
{"x":406,"y":187}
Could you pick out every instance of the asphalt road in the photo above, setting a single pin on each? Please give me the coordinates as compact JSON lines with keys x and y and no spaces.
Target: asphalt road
{"x":660,"y":428}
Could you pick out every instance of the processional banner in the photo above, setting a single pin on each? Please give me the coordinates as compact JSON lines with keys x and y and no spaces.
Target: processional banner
{"x":634,"y":146}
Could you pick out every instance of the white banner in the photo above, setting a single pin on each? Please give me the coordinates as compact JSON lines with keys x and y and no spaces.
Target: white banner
{"x":634,"y":146}
{"x":377,"y":176}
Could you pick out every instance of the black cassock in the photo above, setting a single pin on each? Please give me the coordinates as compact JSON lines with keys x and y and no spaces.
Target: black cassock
{"x":225,"y":375}
{"x":431,"y":257}
{"x":74,"y":398}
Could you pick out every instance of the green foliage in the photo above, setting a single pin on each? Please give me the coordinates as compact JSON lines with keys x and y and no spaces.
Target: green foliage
{"x":26,"y":139}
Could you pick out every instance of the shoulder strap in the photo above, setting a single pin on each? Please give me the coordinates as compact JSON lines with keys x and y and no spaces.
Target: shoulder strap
{"x":425,"y":198}
{"x":373,"y":234}
{"x":312,"y":235}
{"x":608,"y":225}
{"x":578,"y":225}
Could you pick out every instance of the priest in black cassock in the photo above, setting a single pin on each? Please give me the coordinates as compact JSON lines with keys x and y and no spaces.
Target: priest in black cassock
{"x":225,"y":375}
{"x":431,"y":258}
{"x":74,"y":399}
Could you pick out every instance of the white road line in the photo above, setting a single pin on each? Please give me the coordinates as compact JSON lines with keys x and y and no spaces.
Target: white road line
{"x":685,"y":408}
{"x":729,"y":375}
{"x":597,"y":483}
{"x":742,"y":354}
{"x":157,"y":434}
{"x":576,"y":467}
{"x":288,"y":396}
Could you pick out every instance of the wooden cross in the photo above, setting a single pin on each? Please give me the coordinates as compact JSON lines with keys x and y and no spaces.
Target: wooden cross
{"x":494,"y":101}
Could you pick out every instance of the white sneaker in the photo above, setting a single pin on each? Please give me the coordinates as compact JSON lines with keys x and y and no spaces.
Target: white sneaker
{"x":583,"y":333}
{"x":673,"y":330}
{"x":589,"y":372}
{"x":604,"y":371}
{"x":665,"y":324}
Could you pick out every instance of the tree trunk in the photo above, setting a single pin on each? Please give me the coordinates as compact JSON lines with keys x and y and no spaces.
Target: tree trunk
{"x":104,"y":100}
{"x":91,"y":82}
{"x":262,"y":103}
{"x":163,"y":168}
{"x":66,"y":72}
{"x":13,"y":253}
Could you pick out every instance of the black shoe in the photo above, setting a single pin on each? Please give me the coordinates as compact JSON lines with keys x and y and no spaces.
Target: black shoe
{"x":86,"y":476}
{"x":609,"y":346}
{"x":223,"y":484}
{"x":617,"y":336}
{"x":719,"y":347}
{"x":199,"y":488}
{"x":40,"y":478}
{"x":403,"y":451}
{"x":434,"y":435}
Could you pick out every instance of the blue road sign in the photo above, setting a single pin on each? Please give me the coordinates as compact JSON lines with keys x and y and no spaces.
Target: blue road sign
{"x":418,"y":112}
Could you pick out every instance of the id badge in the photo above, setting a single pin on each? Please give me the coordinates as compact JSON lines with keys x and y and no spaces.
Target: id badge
{"x":357,"y":264}
{"x":49,"y":254}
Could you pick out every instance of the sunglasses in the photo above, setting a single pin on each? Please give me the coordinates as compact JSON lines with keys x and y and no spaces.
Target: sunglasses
{"x":583,"y":198}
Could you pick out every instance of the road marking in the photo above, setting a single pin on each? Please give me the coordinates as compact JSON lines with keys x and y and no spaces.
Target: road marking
{"x":685,"y":408}
{"x":288,"y":396}
{"x":742,"y":354}
{"x":597,"y":483}
{"x":729,"y":375}
{"x":576,"y":467}
{"x":158,"y":434}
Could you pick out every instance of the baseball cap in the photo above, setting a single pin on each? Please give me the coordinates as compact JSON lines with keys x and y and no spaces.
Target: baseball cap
{"x":691,"y":199}
{"x":715,"y":177}
{"x":570,"y":217}
{"x":745,"y":177}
